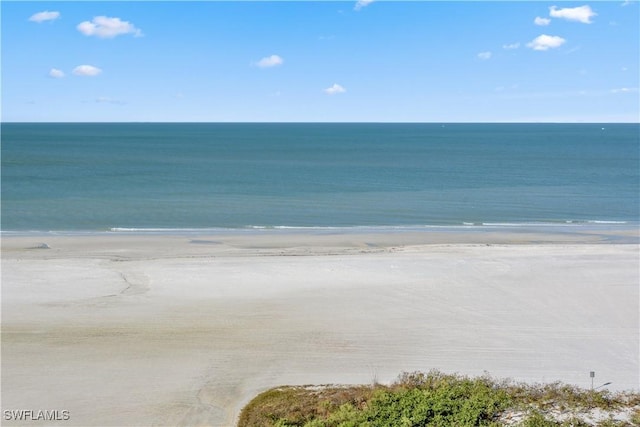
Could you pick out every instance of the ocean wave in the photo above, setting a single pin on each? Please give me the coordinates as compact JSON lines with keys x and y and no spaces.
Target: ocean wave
{"x":464,"y":225}
{"x":153,"y":230}
{"x":524,"y":224}
{"x":382,"y":227}
{"x":606,"y":222}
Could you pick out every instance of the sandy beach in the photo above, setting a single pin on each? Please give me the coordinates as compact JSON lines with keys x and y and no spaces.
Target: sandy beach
{"x":141,"y":329}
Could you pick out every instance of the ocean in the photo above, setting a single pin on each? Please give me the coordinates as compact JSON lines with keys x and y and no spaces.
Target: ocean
{"x":195,"y":176}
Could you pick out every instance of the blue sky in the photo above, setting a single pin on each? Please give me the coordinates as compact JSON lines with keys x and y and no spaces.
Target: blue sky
{"x":367,"y":61}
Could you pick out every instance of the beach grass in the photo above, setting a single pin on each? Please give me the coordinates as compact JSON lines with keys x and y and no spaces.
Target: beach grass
{"x":438,"y":399}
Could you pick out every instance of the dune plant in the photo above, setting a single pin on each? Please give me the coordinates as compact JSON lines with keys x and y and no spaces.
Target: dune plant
{"x":432,"y":399}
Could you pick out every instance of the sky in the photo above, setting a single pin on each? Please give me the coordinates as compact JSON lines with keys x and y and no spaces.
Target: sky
{"x":329,"y":61}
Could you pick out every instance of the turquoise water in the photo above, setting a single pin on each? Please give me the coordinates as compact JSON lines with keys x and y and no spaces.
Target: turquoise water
{"x":114,"y":176}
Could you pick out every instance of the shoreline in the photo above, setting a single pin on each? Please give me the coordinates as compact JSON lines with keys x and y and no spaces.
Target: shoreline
{"x":506,"y":233}
{"x":145,"y":329}
{"x":464,"y":226}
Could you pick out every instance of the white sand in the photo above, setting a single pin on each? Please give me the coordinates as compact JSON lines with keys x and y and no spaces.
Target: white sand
{"x":182,"y":330}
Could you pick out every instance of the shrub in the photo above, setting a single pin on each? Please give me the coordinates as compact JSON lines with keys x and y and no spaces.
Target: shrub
{"x":432,"y":399}
{"x":538,"y":420}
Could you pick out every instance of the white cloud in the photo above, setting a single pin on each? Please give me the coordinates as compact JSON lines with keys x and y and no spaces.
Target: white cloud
{"x":543,"y":22}
{"x":56,"y":74}
{"x":626,"y":3}
{"x":625,"y":90}
{"x":484,"y":55}
{"x":270,"y":61}
{"x":362,"y":3}
{"x":545,"y":42}
{"x":86,"y":70}
{"x":572,"y":50}
{"x":44,"y":16}
{"x":581,"y":13}
{"x":511,"y":46}
{"x":106,"y":28}
{"x":335,"y":89}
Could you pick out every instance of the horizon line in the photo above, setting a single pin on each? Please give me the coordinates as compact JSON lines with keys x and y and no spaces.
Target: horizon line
{"x":318,"y":122}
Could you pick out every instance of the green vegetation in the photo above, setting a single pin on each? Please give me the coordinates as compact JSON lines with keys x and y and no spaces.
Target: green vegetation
{"x":433,"y":399}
